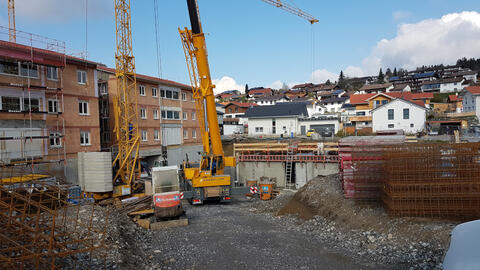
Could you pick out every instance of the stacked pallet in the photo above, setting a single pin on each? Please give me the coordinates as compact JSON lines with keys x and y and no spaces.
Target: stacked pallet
{"x":433,"y":180}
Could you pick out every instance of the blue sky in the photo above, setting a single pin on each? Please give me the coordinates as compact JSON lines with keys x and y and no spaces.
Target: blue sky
{"x":252,"y":42}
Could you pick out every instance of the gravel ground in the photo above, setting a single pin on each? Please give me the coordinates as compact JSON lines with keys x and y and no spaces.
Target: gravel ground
{"x":311,"y":229}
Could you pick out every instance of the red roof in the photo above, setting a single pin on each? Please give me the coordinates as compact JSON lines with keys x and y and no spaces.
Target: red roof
{"x":475,"y":90}
{"x":360,"y":98}
{"x":260,"y":91}
{"x":241,"y":104}
{"x":454,"y":98}
{"x":150,"y":78}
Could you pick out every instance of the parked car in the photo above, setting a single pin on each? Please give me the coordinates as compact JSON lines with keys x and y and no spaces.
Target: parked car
{"x":310,"y":132}
{"x":464,"y":246}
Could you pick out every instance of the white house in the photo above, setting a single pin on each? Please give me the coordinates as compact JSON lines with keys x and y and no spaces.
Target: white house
{"x":471,"y":99}
{"x":399,"y":114}
{"x":270,"y":100}
{"x":279,"y":119}
{"x":334,"y":105}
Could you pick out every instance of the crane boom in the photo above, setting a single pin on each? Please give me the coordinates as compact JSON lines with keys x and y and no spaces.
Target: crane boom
{"x":125,"y":104}
{"x":292,"y":9}
{"x":12,"y":31}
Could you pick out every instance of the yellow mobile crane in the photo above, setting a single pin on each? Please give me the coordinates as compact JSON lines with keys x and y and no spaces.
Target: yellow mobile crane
{"x":208,"y":180}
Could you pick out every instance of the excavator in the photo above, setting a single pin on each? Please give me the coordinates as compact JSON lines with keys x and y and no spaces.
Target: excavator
{"x":207,"y":179}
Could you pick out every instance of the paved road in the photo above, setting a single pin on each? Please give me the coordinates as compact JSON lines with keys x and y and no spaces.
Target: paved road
{"x":231,"y":237}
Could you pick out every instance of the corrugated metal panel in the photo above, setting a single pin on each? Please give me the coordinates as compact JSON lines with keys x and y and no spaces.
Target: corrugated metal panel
{"x":95,"y":171}
{"x":172,"y":135}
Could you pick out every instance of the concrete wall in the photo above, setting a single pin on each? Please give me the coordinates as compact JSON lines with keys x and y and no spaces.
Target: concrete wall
{"x":233,"y":129}
{"x":307,"y":171}
{"x":176,"y":155}
{"x":304,"y":171}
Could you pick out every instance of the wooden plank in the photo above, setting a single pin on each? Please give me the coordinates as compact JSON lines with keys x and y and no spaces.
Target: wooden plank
{"x":144,"y":223}
{"x":169,"y":224}
{"x":141,"y":212}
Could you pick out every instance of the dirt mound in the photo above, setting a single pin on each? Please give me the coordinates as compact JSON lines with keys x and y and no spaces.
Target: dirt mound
{"x":322,"y":196}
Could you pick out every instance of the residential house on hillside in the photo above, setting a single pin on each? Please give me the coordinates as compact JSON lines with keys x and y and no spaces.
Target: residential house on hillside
{"x":467,"y":74}
{"x":365,"y":103}
{"x":331,"y":94}
{"x":414,"y":79}
{"x":375,"y":88}
{"x":227,"y":95}
{"x":279,"y":119}
{"x":234,"y":112}
{"x":259,"y":92}
{"x":270,"y":100}
{"x":334,"y":104}
{"x":401,"y":87}
{"x":447,"y":85}
{"x":471,"y":100}
{"x":399,"y":114}
{"x":455,"y":103}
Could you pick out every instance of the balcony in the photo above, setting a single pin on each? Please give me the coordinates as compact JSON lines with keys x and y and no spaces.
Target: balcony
{"x":361,"y":118}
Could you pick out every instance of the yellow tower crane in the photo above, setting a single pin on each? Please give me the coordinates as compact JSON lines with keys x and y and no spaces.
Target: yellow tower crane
{"x":126,"y":162}
{"x":12,"y":31}
{"x":289,"y":8}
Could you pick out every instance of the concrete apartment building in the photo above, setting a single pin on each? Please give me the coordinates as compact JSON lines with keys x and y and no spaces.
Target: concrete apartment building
{"x":167,"y":117}
{"x":49,"y":109}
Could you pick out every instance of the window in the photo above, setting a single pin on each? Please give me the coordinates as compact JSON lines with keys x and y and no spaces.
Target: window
{"x":164,"y":114}
{"x":185,"y":134}
{"x":391,"y":125}
{"x":84,"y":138}
{"x":377,"y":103}
{"x":162,"y":93}
{"x":384,"y":102}
{"x":53,"y":106}
{"x":32,"y":104}
{"x":11,"y":104}
{"x":83,"y":107}
{"x":175,"y":95}
{"x":194,"y":116}
{"x":52,"y":73}
{"x":412,"y":125}
{"x":8,"y":67}
{"x":176,"y":115}
{"x":258,"y":129}
{"x":103,"y":88}
{"x":184,"y":96}
{"x":156,"y":135}
{"x":390,"y":114}
{"x":141,"y":89}
{"x":143,"y":113}
{"x":55,"y":139}
{"x":406,"y":113}
{"x":168,"y":94}
{"x":154,"y":92}
{"x":81,"y":76}
{"x":185,"y":115}
{"x":194,"y":133}
{"x":236,"y":109}
{"x":230,"y":110}
{"x":155,"y":114}
{"x":169,"y":114}
{"x":144,"y":135}
{"x":29,"y":70}
{"x":360,"y":113}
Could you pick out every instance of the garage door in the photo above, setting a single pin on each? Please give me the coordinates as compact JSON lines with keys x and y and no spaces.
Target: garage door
{"x":172,"y":135}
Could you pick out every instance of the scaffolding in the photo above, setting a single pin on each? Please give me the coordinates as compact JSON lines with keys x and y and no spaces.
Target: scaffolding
{"x":35,"y":142}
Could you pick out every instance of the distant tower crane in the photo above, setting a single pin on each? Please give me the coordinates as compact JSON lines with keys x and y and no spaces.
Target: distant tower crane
{"x":12,"y":31}
{"x":292,"y":9}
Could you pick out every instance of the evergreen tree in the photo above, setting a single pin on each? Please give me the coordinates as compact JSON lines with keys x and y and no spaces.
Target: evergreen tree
{"x":388,"y":73}
{"x":381,"y":77}
{"x":395,"y":72}
{"x":341,"y":80}
{"x":328,"y":82}
{"x":246,"y":88}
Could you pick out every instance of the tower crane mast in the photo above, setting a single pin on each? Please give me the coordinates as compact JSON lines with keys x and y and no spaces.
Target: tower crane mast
{"x":12,"y":31}
{"x":125,"y":104}
{"x":292,"y":9}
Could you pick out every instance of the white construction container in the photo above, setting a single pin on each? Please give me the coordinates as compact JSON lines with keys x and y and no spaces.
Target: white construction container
{"x":95,"y":171}
{"x":165,"y":179}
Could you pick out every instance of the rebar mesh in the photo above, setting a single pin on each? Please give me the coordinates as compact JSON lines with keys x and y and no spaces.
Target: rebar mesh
{"x":43,"y":224}
{"x":432,"y":180}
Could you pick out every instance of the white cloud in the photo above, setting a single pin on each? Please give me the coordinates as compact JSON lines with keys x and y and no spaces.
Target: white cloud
{"x":352,"y":71}
{"x":322,"y":75}
{"x":401,"y":15}
{"x":227,"y":83}
{"x":62,"y":10}
{"x":428,"y":42}
{"x":276,"y":85}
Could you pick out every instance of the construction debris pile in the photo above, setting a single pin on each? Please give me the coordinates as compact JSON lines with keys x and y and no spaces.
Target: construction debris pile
{"x":44,"y":226}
